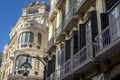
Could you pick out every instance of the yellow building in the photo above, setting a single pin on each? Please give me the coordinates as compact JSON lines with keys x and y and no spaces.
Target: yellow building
{"x":84,"y":40}
{"x":28,"y":42}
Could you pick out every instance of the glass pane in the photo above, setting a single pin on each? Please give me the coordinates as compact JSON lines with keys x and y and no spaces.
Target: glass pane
{"x":88,"y":31}
{"x":62,"y":56}
{"x":26,"y":37}
{"x":31,"y":37}
{"x":39,"y":38}
{"x":21,"y":38}
{"x":36,"y":64}
{"x":22,"y":60}
{"x":71,"y":46}
{"x":114,"y":14}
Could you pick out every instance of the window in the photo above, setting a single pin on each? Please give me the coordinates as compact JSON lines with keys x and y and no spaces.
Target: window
{"x":72,"y":7}
{"x":39,"y":38}
{"x":21,"y":60}
{"x":88,"y":31}
{"x":33,"y":12}
{"x":26,"y":37}
{"x":113,"y":16}
{"x":36,"y":64}
{"x":62,"y":55}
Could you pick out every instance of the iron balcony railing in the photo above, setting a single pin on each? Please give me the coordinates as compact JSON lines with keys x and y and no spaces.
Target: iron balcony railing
{"x":59,"y":29}
{"x":108,"y":36}
{"x":69,"y":15}
{"x":79,"y":3}
{"x":82,"y":57}
{"x":54,"y":76}
{"x":66,"y":69}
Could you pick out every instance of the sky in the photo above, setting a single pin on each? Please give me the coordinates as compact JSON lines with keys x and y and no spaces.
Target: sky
{"x":10,"y":12}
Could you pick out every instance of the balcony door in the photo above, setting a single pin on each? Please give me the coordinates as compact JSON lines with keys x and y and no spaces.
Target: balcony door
{"x":114,"y":19}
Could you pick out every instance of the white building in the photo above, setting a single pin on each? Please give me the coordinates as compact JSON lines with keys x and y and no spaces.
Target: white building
{"x":28,"y":42}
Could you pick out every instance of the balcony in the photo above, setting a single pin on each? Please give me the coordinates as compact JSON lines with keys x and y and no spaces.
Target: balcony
{"x":51,"y":77}
{"x":59,"y":3}
{"x":29,"y":46}
{"x":83,"y":6}
{"x":54,"y":76}
{"x":32,"y":25}
{"x":59,"y":34}
{"x":18,"y":73}
{"x":81,"y":62}
{"x":51,"y":45}
{"x":66,"y":70}
{"x":70,"y":20}
{"x":108,"y":41}
{"x":53,"y":12}
{"x":84,"y":59}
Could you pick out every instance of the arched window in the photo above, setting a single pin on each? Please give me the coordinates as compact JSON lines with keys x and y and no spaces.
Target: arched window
{"x":21,"y":60}
{"x":39,"y":38}
{"x":26,"y":37}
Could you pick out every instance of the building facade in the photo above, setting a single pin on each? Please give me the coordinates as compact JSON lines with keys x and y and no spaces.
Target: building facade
{"x":0,"y":62}
{"x":28,"y":42}
{"x":84,"y":40}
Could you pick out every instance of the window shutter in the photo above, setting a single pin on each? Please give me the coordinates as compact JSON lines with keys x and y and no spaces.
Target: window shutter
{"x":75,"y":38}
{"x":104,"y":20}
{"x":94,"y":25}
{"x":45,"y":72}
{"x":82,"y":36}
{"x":110,"y":3}
{"x":63,"y":18}
{"x":53,"y":63}
{"x":104,"y":23}
{"x":49,"y":68}
{"x":67,"y":50}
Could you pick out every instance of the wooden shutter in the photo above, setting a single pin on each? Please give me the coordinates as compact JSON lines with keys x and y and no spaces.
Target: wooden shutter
{"x":67,"y":50}
{"x":72,"y":6}
{"x":82,"y":36}
{"x":104,"y":20}
{"x":75,"y":39}
{"x":104,"y":23}
{"x":63,"y":18}
{"x":49,"y":68}
{"x":94,"y":25}
{"x":45,"y":72}
{"x":53,"y":63}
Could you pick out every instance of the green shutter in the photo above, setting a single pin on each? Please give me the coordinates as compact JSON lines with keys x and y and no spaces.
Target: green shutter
{"x":63,"y":18}
{"x":72,"y":6}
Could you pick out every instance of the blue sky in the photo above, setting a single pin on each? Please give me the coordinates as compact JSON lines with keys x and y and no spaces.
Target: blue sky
{"x":10,"y":11}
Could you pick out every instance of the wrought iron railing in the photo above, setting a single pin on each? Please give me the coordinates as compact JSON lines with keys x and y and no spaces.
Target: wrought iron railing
{"x":59,"y":29}
{"x":108,"y":35}
{"x":54,"y":76}
{"x":79,"y":3}
{"x":69,"y":15}
{"x":83,"y":55}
